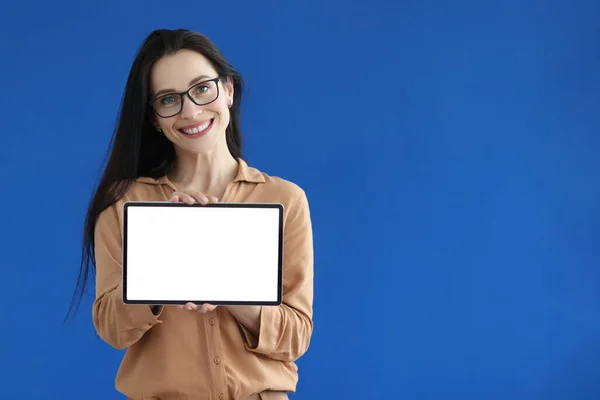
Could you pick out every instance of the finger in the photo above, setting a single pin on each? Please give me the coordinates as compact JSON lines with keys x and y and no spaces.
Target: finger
{"x":188,"y":199}
{"x":181,"y":197}
{"x":206,"y":308}
{"x":212,"y":199}
{"x":191,"y":307}
{"x":199,"y":197}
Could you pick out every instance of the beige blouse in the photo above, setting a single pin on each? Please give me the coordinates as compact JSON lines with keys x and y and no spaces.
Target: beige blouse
{"x":188,"y":355}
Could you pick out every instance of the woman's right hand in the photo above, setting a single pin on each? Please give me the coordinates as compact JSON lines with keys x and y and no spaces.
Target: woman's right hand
{"x":193,"y":197}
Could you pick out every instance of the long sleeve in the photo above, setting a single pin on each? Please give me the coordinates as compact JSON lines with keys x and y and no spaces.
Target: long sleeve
{"x":285,"y":331}
{"x":119,"y":324}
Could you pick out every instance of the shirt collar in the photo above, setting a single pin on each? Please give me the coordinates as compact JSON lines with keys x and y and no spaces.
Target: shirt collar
{"x":245,"y":174}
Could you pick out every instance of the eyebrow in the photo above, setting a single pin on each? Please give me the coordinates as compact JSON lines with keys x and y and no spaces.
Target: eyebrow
{"x":196,"y":79}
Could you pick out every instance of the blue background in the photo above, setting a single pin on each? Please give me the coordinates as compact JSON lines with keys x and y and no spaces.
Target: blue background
{"x":449,"y":151}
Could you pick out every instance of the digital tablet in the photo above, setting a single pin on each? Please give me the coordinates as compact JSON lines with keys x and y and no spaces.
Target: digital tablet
{"x":221,"y":253}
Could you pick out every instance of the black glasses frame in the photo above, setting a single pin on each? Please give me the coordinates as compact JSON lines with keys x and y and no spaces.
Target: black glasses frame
{"x":181,"y":94}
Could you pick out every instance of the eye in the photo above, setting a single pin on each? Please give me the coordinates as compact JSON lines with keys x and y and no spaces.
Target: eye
{"x":166,"y":100}
{"x":201,"y":89}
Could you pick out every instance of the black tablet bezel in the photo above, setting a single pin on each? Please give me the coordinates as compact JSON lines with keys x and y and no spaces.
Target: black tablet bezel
{"x":277,"y":206}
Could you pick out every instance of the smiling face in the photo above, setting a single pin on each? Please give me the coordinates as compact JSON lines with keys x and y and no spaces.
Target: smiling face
{"x":194,"y":126}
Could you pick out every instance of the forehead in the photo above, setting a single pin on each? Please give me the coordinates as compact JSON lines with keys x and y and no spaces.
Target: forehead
{"x":177,"y":70}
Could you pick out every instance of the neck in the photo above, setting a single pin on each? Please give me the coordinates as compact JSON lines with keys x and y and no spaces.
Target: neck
{"x":208,"y":174}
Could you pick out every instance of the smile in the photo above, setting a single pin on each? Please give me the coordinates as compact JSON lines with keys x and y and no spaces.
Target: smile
{"x":197,"y":129}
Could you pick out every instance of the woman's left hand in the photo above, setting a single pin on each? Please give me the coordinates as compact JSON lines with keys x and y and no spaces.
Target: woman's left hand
{"x":194,"y":307}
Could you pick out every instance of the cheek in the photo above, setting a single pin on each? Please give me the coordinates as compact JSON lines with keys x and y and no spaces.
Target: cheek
{"x":222,"y":112}
{"x":225,"y":118}
{"x":167,"y":124}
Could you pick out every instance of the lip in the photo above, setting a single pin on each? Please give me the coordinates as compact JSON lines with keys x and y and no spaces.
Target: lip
{"x":199,"y":134}
{"x":195,"y":125}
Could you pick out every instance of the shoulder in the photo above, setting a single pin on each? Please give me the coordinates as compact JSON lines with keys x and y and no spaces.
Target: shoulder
{"x":265,"y":187}
{"x":269,"y":185}
{"x":141,"y":189}
{"x":277,"y":188}
{"x":288,"y":193}
{"x":294,"y":200}
{"x":146,"y":189}
{"x":284,"y":187}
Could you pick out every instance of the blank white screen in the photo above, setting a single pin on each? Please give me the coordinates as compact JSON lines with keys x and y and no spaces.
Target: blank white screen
{"x":202,"y":254}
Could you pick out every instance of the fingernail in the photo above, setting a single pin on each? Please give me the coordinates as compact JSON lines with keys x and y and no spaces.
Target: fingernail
{"x":189,"y":308}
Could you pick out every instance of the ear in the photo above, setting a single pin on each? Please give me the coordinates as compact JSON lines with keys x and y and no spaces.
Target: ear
{"x":228,"y":86}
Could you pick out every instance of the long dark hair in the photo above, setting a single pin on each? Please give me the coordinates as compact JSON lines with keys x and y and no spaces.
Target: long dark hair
{"x":136,"y":148}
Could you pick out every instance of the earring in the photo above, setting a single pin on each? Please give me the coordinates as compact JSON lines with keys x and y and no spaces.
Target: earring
{"x":230,"y":103}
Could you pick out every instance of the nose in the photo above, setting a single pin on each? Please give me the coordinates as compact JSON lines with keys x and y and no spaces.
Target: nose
{"x":189,"y":109}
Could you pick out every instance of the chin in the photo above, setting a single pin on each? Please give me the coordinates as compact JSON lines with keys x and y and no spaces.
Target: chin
{"x":206,"y":145}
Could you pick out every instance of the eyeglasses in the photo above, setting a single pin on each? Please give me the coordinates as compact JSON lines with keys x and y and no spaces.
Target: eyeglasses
{"x":171,"y":104}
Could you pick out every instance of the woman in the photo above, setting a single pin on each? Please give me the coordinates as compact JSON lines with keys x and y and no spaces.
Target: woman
{"x":178,"y":139}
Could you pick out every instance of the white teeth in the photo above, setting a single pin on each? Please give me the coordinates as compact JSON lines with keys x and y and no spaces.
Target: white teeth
{"x":197,"y":129}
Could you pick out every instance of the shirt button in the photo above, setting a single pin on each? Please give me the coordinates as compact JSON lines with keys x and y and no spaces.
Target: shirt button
{"x":221,"y":396}
{"x":217,"y":360}
{"x":211,"y":321}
